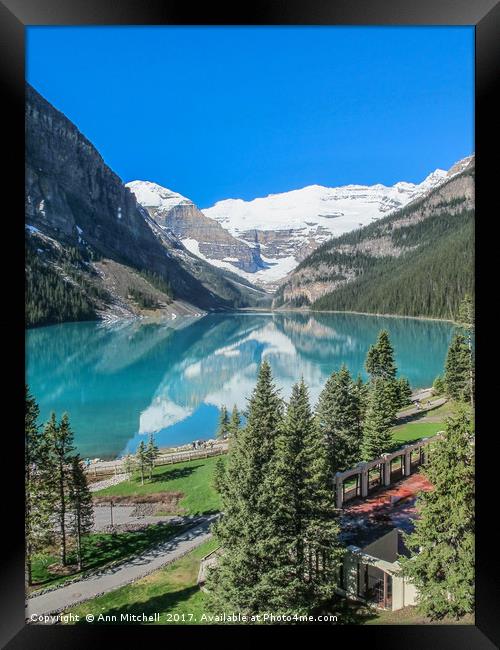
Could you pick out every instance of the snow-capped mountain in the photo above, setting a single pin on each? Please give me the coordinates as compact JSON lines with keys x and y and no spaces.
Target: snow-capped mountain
{"x":265,"y":239}
{"x":201,"y":235}
{"x":290,"y":225}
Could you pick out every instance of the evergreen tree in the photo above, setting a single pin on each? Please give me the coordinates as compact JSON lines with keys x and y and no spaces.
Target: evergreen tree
{"x":439,"y":385}
{"x":458,"y":369}
{"x":380,"y":358}
{"x":442,"y":564}
{"x":339,"y":420}
{"x":141,"y":458}
{"x":234,"y":585}
{"x":82,"y":509}
{"x":301,"y":534}
{"x":363,"y":391}
{"x":129,"y":464}
{"x":380,"y":414}
{"x":403,"y":390}
{"x":60,"y":453}
{"x":234,"y":422}
{"x":466,"y":323}
{"x":38,"y":528}
{"x":223,"y":428}
{"x":152,"y":452}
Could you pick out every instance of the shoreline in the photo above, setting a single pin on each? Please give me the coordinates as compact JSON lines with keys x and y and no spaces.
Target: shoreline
{"x":299,"y":310}
{"x":245,"y":310}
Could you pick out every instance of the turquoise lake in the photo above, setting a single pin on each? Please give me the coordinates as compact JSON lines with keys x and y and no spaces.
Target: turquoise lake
{"x":119,"y":382}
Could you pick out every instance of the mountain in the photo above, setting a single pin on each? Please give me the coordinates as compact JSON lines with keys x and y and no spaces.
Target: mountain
{"x":203,"y":236}
{"x":416,"y":261}
{"x":91,"y":249}
{"x":291,"y":225}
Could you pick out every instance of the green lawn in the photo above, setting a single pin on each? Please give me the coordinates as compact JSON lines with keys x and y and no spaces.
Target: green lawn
{"x":100,"y":549}
{"x":172,"y":592}
{"x":192,"y":478}
{"x":414,"y":430}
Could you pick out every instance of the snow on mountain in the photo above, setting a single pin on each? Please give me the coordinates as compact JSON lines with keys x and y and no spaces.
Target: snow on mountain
{"x":177,"y":214}
{"x":264,"y":239}
{"x":152,"y":195}
{"x":318,"y":210}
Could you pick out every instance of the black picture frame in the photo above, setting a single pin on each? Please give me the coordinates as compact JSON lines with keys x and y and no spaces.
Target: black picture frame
{"x":485,"y":16}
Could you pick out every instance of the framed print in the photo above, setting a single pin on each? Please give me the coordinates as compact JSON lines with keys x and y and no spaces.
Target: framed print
{"x":256,"y":334}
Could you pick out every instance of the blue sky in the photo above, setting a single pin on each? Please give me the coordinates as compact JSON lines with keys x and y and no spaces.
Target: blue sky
{"x":241,"y":112}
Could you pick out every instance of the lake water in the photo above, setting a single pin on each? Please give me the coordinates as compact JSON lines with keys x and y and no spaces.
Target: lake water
{"x":119,"y":382}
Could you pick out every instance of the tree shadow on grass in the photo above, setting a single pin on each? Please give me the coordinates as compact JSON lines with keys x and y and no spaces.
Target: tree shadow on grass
{"x":163,"y":603}
{"x":174,"y":473}
{"x":417,"y":415}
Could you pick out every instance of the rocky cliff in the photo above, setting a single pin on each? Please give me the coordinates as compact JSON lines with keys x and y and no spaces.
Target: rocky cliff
{"x":200,"y":234}
{"x":90,"y":239}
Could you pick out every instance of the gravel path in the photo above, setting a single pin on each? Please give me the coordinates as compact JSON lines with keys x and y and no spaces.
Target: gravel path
{"x":117,"y":576}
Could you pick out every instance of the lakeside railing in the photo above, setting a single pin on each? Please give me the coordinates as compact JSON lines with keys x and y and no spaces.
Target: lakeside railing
{"x":113,"y":468}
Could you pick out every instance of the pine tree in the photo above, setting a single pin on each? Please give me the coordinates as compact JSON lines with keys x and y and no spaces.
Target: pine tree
{"x":339,"y":420}
{"x":466,"y":323}
{"x":458,"y":369}
{"x":442,"y":563}
{"x":223,"y":428}
{"x":141,"y":458}
{"x":380,"y":358}
{"x":403,"y":390}
{"x":38,"y":511}
{"x":60,"y":453}
{"x":129,"y":464}
{"x":363,"y":391}
{"x":82,"y":510}
{"x":439,"y":385}
{"x":380,"y":414}
{"x":301,"y":532}
{"x":234,"y":585}
{"x":152,"y":452}
{"x":234,"y":422}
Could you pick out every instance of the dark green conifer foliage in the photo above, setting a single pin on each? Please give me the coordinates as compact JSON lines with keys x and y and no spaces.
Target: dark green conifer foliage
{"x":363,"y":390}
{"x":235,"y":584}
{"x":380,"y":414}
{"x":82,"y":510}
{"x":403,"y":390}
{"x":38,"y":497}
{"x":234,"y":422}
{"x":339,"y":420}
{"x":59,"y":439}
{"x":301,"y":534}
{"x":141,"y":457}
{"x":442,"y":563}
{"x":223,"y":428}
{"x":466,"y":320}
{"x":380,"y":358}
{"x":152,"y":452}
{"x":439,"y":386}
{"x":458,"y":369}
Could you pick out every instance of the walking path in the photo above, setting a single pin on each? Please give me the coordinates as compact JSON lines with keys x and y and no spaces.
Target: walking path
{"x":104,"y":517}
{"x":117,"y":576}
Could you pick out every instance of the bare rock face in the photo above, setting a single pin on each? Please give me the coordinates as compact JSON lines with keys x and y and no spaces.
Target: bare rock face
{"x":76,"y":202}
{"x":73,"y":195}
{"x":202,"y":235}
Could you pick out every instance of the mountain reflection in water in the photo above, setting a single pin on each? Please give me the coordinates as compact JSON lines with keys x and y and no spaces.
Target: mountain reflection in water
{"x":119,"y":382}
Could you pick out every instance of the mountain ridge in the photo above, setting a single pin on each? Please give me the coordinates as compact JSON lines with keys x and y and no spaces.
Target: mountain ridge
{"x":366,"y":269}
{"x":89,"y":243}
